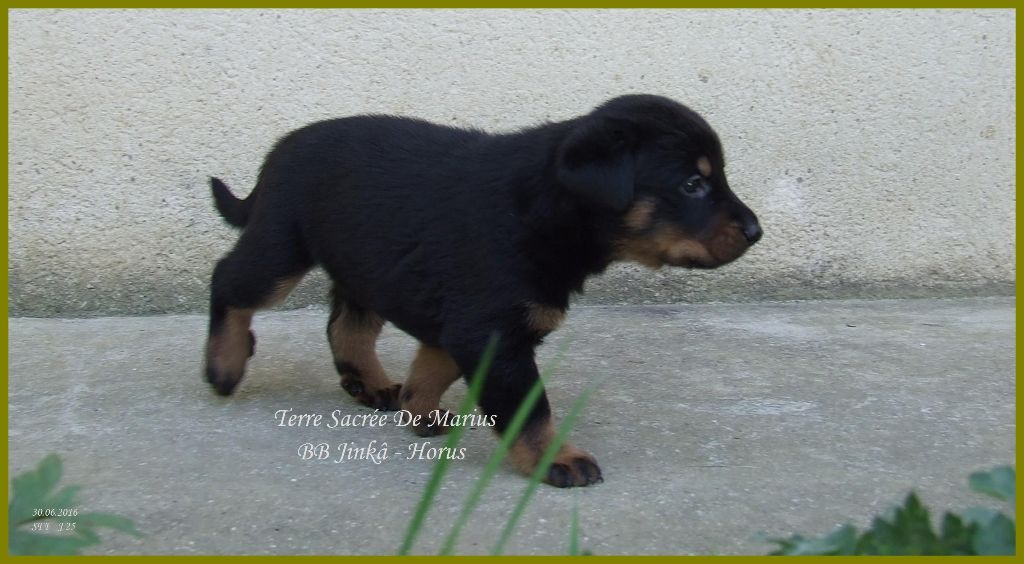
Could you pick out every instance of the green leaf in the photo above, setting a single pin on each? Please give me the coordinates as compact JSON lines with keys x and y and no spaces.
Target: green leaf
{"x":842,"y":541}
{"x":996,"y":537}
{"x":31,"y":488}
{"x":980,"y":515}
{"x":24,"y":542}
{"x":87,"y":534}
{"x":574,"y":530}
{"x":913,"y":522}
{"x":454,"y":436}
{"x":907,"y":530}
{"x":867,"y":544}
{"x":543,"y":465}
{"x":123,"y":524}
{"x":955,"y":536}
{"x":50,"y":471}
{"x":909,"y":533}
{"x":491,"y":468}
{"x":508,"y":437}
{"x":785,"y":545}
{"x":32,"y":491}
{"x":64,"y":499}
{"x":999,"y":482}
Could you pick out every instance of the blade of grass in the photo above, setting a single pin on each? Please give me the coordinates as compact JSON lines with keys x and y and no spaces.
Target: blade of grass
{"x":543,"y":466}
{"x":510,"y":435}
{"x":454,"y":435}
{"x":574,"y":528}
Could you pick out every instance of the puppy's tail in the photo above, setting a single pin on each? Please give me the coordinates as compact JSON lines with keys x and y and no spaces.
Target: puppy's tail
{"x":234,"y":210}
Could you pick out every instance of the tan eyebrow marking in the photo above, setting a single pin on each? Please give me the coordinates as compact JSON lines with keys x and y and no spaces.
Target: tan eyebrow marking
{"x":704,"y":166}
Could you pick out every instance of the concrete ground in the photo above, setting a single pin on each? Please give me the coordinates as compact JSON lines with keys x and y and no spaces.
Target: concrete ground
{"x":715,"y":423}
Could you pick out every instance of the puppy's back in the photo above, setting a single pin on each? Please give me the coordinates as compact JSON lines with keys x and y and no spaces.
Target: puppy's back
{"x":377,"y":142}
{"x":361,"y":171}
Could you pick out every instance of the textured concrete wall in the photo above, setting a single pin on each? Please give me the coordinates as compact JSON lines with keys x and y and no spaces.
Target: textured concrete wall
{"x":877,"y":147}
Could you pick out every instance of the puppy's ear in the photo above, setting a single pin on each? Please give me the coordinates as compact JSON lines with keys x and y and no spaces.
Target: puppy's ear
{"x":596,"y":163}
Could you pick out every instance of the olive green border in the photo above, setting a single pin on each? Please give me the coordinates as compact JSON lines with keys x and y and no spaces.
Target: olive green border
{"x":440,"y":4}
{"x":449,"y":4}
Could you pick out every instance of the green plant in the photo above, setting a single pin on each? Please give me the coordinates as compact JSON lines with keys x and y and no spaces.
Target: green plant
{"x":34,"y":511}
{"x":542,"y":468}
{"x":454,"y":436}
{"x":908,"y":530}
{"x":511,"y":432}
{"x":508,"y":437}
{"x":574,"y":533}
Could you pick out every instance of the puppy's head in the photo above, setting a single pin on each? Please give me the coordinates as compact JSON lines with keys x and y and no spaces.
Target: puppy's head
{"x":657,"y":167}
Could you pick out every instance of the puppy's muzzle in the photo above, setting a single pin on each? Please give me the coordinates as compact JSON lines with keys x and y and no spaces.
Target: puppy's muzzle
{"x":749,"y":226}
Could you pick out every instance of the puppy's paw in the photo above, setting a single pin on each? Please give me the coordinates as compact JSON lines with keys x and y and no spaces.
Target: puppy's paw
{"x":223,"y":382}
{"x":575,"y":469}
{"x":572,"y":466}
{"x":226,"y":356}
{"x":433,"y":424}
{"x":384,"y":399}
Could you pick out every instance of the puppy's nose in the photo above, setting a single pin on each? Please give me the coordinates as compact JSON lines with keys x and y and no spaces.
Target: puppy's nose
{"x":747,"y":223}
{"x":752,"y":231}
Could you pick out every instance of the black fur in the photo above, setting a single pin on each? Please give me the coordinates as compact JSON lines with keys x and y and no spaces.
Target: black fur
{"x":233,"y":210}
{"x":451,"y":233}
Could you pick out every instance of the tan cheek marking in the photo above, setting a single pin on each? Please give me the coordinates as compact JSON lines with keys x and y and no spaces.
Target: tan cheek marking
{"x":642,"y":250}
{"x":639,"y":216}
{"x":544,"y":319}
{"x":688,"y":249}
{"x":665,"y":244}
{"x":704,"y":166}
{"x":676,"y":246}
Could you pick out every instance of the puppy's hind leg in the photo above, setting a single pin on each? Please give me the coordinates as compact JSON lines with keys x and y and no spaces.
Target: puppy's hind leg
{"x":352,"y":332}
{"x":245,"y":280}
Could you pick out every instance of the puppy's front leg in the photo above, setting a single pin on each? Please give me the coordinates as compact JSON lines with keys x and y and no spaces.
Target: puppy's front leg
{"x":512,"y":375}
{"x":433,"y":370}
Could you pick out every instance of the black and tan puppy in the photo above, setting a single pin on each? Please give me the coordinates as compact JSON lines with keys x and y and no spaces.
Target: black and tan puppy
{"x":452,"y":234}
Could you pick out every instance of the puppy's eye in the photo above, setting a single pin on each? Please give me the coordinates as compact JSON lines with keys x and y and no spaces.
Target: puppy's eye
{"x":695,"y":186}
